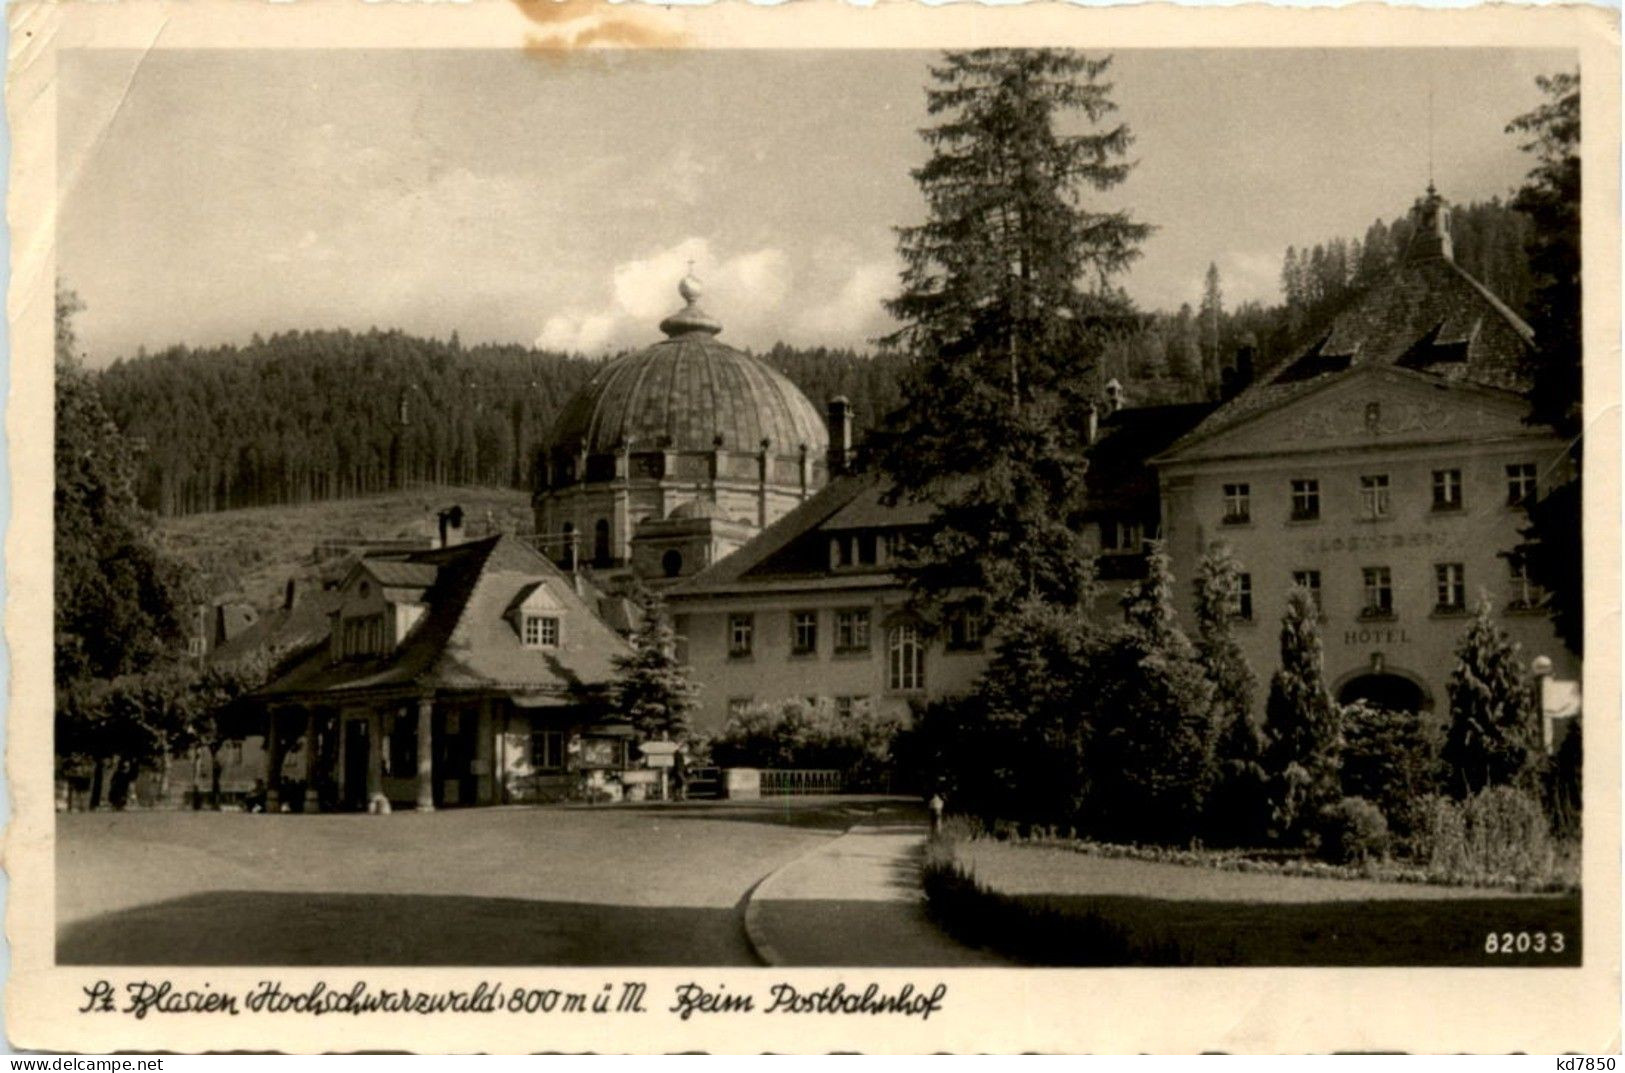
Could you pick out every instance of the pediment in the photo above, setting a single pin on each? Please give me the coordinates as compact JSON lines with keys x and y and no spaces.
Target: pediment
{"x":1376,"y":406}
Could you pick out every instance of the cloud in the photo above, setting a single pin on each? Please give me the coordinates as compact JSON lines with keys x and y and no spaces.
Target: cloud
{"x":585,"y":335}
{"x":747,"y":291}
{"x":854,"y":311}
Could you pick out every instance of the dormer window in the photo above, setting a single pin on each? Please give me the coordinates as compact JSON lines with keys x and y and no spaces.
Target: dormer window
{"x":541,"y":631}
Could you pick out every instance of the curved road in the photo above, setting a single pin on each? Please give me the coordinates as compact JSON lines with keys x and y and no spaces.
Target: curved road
{"x":627,"y":884}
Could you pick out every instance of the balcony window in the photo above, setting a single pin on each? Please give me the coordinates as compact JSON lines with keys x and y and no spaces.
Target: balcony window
{"x":1374,"y":496}
{"x":1305,"y":500}
{"x":1447,"y":489}
{"x":1450,"y":587}
{"x":1237,"y":504}
{"x":1379,"y":592}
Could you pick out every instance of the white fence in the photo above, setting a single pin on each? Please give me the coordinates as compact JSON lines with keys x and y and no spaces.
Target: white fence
{"x":782,"y":782}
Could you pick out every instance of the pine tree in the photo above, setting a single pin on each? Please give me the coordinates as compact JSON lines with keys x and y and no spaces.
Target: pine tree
{"x":1006,"y":303}
{"x":1494,"y":732}
{"x":651,"y":688}
{"x":1239,"y":810}
{"x":1301,"y":722}
{"x":1212,"y":327}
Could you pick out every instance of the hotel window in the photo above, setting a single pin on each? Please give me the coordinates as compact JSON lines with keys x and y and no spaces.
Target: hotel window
{"x":547,"y":750}
{"x":847,"y":707}
{"x":1450,"y":588}
{"x":1237,"y":504}
{"x":1379,"y":592}
{"x":1525,"y":594}
{"x":1241,"y":597}
{"x":541,"y":631}
{"x":1308,"y":579}
{"x":1305,"y":500}
{"x":852,"y":630}
{"x":740,"y":631}
{"x":1520,"y":484}
{"x":1447,"y":489}
{"x":905,"y":667}
{"x":803,"y":633}
{"x":1374,"y":496}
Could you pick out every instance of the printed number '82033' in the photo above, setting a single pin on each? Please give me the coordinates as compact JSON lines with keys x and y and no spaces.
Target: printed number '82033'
{"x":1525,"y":942}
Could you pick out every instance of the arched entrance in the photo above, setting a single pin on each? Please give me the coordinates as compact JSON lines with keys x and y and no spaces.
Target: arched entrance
{"x":1393,"y":692}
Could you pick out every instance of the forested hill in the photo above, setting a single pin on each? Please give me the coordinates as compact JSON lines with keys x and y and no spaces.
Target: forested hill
{"x":307,"y":416}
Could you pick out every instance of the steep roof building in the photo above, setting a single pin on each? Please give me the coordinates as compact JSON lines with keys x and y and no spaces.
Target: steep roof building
{"x":1386,"y":468}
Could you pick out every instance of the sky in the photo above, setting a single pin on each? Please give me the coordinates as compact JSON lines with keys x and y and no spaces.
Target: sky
{"x":209,"y":196}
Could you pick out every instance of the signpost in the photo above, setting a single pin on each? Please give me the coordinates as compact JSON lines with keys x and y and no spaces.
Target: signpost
{"x":662,"y":755}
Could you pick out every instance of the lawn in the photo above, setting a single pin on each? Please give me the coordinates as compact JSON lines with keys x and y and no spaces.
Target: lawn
{"x":508,"y":886}
{"x":1056,"y":906}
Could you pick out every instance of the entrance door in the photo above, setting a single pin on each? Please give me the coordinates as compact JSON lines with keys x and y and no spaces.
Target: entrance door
{"x":455,"y":731}
{"x":357,"y":752}
{"x":1388,"y":691}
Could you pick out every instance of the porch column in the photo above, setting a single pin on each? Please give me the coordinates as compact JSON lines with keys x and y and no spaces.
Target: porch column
{"x":375,"y":756}
{"x":426,"y":754}
{"x":273,"y":762}
{"x":313,"y":800}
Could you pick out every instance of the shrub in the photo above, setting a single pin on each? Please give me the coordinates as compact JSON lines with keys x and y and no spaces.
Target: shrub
{"x":1352,"y":831}
{"x":1508,"y":834}
{"x":795,"y":734}
{"x":1496,"y":835}
{"x":1390,"y":758}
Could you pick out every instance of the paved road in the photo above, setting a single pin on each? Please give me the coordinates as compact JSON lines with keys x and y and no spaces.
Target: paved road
{"x":855,"y":901}
{"x":535,"y":886}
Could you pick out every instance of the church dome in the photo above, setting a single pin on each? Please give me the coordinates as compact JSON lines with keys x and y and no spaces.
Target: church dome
{"x":689,"y":393}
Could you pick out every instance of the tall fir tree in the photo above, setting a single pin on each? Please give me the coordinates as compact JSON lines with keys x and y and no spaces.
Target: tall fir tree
{"x":1006,"y":301}
{"x":1493,"y":738}
{"x":1152,"y":759}
{"x":1240,"y":808}
{"x":1301,"y":722}
{"x":650,"y":687}
{"x":1212,"y":328}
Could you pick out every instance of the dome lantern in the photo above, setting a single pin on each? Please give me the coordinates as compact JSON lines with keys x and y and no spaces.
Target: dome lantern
{"x":691,"y":318}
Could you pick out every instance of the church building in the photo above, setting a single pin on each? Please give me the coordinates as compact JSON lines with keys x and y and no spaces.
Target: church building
{"x":674,"y":456}
{"x":1386,"y":469}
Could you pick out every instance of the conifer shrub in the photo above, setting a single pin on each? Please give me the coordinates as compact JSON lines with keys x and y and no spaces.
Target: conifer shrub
{"x":1353,"y":831}
{"x":1496,"y":835}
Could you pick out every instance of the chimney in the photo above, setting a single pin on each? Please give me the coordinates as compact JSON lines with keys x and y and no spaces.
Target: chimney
{"x":451,"y":526}
{"x":1229,"y":381}
{"x":1246,"y":358}
{"x":840,"y":435}
{"x":1432,"y":236}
